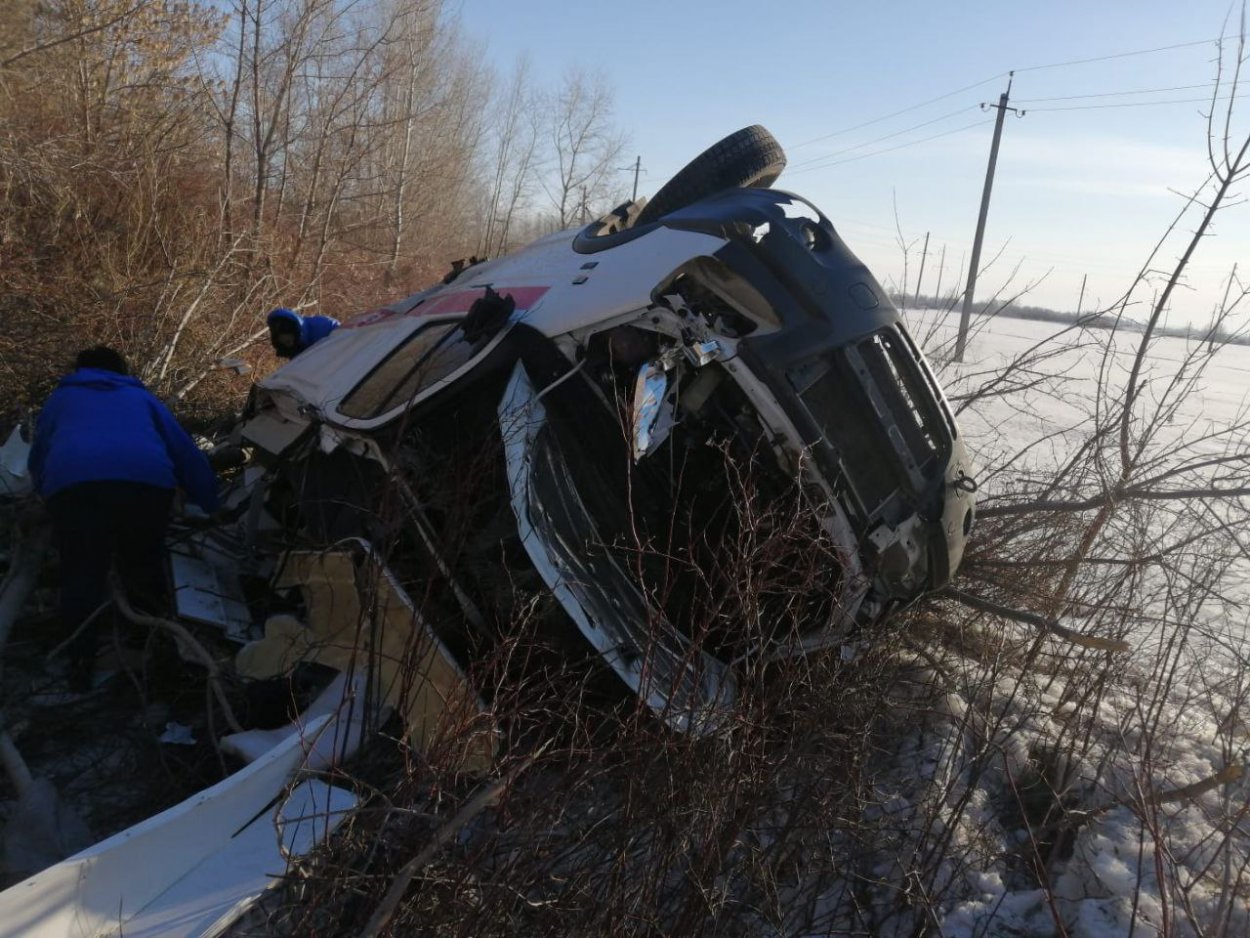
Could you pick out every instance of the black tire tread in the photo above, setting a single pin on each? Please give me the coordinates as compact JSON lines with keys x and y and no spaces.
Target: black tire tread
{"x":748,"y":157}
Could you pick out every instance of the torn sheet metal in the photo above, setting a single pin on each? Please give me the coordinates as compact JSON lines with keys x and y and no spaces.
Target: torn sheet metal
{"x":690,"y":689}
{"x":341,"y":699}
{"x":271,"y":432}
{"x":188,"y":870}
{"x":207,"y":587}
{"x":205,"y":903}
{"x":361,"y":621}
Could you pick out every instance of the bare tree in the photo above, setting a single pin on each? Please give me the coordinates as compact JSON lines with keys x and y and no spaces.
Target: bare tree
{"x":585,"y":146}
{"x":433,"y":96}
{"x":513,"y":160}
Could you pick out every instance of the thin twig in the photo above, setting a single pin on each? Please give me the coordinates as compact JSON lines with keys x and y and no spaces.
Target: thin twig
{"x":484,"y":799}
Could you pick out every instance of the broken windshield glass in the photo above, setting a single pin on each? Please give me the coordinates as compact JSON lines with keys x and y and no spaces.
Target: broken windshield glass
{"x":430,"y":354}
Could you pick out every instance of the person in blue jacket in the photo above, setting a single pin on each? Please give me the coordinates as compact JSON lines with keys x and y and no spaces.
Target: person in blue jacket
{"x":292,"y":333}
{"x":107,"y":458}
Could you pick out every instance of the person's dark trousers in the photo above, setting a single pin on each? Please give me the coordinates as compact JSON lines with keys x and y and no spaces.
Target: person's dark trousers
{"x":95,"y":524}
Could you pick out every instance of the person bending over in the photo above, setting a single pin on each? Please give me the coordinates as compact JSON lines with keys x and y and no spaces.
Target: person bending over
{"x":107,"y":458}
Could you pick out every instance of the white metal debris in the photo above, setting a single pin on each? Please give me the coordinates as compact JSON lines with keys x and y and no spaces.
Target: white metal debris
{"x":325,"y":749}
{"x":207,"y":590}
{"x":15,"y":479}
{"x":189,"y":870}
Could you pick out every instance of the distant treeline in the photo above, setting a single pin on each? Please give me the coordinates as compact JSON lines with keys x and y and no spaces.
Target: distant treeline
{"x":1088,"y":320}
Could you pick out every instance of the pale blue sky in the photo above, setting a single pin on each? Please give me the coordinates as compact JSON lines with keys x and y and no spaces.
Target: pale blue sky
{"x":1082,"y":191}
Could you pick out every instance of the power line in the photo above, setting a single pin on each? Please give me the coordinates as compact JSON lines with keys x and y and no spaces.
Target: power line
{"x":1114,"y":94}
{"x":897,"y":133}
{"x":1118,"y":55}
{"x":901,"y":146}
{"x":906,"y":110}
{"x":993,"y":78}
{"x":1099,"y":107}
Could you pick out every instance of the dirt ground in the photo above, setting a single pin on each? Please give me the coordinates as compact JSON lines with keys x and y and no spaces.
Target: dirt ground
{"x":142,"y":740}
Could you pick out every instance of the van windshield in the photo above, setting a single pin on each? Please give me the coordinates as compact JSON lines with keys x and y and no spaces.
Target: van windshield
{"x":427,"y":356}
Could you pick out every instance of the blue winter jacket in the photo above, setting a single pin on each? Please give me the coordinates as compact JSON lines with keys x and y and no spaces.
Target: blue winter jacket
{"x":311,"y":328}
{"x":101,"y":426}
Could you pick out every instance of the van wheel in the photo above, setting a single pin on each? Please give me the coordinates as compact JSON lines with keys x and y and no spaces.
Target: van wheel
{"x":750,"y":157}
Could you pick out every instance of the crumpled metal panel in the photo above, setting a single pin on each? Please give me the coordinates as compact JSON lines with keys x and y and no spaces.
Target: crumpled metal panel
{"x":690,"y":689}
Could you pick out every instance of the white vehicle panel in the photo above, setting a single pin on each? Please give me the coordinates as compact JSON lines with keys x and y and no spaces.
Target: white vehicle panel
{"x":557,"y":291}
{"x":620,"y":280}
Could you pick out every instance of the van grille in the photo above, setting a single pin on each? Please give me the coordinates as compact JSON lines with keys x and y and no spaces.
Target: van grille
{"x":876,"y":410}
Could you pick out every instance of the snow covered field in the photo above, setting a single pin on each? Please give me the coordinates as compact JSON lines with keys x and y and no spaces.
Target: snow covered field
{"x":1064,"y":401}
{"x":1125,"y":765}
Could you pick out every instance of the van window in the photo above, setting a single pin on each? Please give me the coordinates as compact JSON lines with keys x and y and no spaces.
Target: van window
{"x":431,"y":353}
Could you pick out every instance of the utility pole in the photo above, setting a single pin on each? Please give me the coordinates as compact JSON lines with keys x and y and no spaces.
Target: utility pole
{"x":961,"y":340}
{"x":923,"y":254}
{"x":937,"y":294}
{"x":1080,"y":300}
{"x":637,"y":168}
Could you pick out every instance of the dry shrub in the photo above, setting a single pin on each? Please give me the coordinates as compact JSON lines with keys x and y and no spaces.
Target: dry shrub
{"x":131,"y":214}
{"x":620,"y":825}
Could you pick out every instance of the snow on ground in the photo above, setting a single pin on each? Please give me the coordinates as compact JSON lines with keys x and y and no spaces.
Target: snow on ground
{"x":1169,"y":716}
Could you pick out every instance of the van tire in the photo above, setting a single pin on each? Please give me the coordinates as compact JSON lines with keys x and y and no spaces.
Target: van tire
{"x":749,"y":157}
